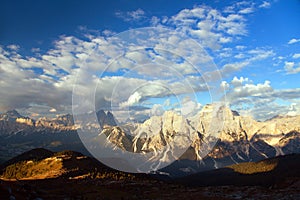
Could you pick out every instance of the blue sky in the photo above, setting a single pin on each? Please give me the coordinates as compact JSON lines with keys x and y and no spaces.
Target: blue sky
{"x":255,"y":45}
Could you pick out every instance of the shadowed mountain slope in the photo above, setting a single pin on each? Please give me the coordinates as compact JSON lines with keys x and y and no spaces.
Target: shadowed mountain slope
{"x":267,"y":172}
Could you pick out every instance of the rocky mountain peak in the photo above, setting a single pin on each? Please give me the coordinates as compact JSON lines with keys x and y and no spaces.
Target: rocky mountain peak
{"x":10,"y":115}
{"x":215,"y":110}
{"x":67,"y":119}
{"x":106,"y":118}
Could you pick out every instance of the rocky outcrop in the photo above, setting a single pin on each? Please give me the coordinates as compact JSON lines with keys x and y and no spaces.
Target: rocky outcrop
{"x":10,"y":115}
{"x":105,"y":119}
{"x":26,"y":121}
{"x":236,"y":138}
{"x":61,"y":122}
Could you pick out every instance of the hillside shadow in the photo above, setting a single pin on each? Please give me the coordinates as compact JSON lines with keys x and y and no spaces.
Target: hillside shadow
{"x":287,"y":167}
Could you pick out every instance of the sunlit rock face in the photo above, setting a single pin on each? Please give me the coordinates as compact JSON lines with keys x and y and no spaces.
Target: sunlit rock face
{"x":240,"y":139}
{"x":159,"y":131}
{"x":26,"y":121}
{"x":230,"y":139}
{"x":105,"y":119}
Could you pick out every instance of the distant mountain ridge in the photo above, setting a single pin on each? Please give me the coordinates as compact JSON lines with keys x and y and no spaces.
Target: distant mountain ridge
{"x":12,"y":120}
{"x":19,"y":134}
{"x":61,"y":122}
{"x":10,"y":115}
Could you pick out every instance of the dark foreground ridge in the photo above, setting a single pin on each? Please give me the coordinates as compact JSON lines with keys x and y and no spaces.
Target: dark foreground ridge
{"x":268,"y":172}
{"x":44,"y":174}
{"x":44,"y":164}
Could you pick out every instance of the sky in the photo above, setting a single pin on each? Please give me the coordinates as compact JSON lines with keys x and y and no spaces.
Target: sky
{"x":140,"y":58}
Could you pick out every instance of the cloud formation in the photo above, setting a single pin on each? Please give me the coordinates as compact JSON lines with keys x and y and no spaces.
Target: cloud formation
{"x":260,"y":100}
{"x":292,"y":67}
{"x":130,"y":76}
{"x":265,"y":4}
{"x":293,"y":41}
{"x":212,"y":27}
{"x":131,"y":16}
{"x":296,"y":55}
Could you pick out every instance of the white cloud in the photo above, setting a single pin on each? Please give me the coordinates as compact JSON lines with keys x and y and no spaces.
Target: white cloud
{"x":240,"y":56}
{"x":13,"y":47}
{"x":287,"y":94}
{"x":265,"y":4}
{"x":167,"y":102}
{"x":292,"y":67}
{"x":190,"y":107}
{"x":225,"y":40}
{"x":156,"y":110}
{"x":225,"y":54}
{"x":240,"y":47}
{"x":224,"y":85}
{"x":52,"y":110}
{"x":260,"y":54}
{"x":133,"y":99}
{"x":42,"y":80}
{"x":247,"y":10}
{"x":293,"y":41}
{"x":260,"y":100}
{"x":251,"y":90}
{"x":210,"y":26}
{"x":155,"y":21}
{"x":294,"y":109}
{"x":35,"y":50}
{"x":239,"y":81}
{"x":265,"y":110}
{"x":136,"y":15}
{"x":233,"y":67}
{"x":241,"y":7}
{"x":229,"y":9}
{"x":246,"y":58}
{"x":296,"y":55}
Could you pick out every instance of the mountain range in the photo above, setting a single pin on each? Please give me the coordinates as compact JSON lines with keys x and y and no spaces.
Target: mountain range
{"x":240,"y":139}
